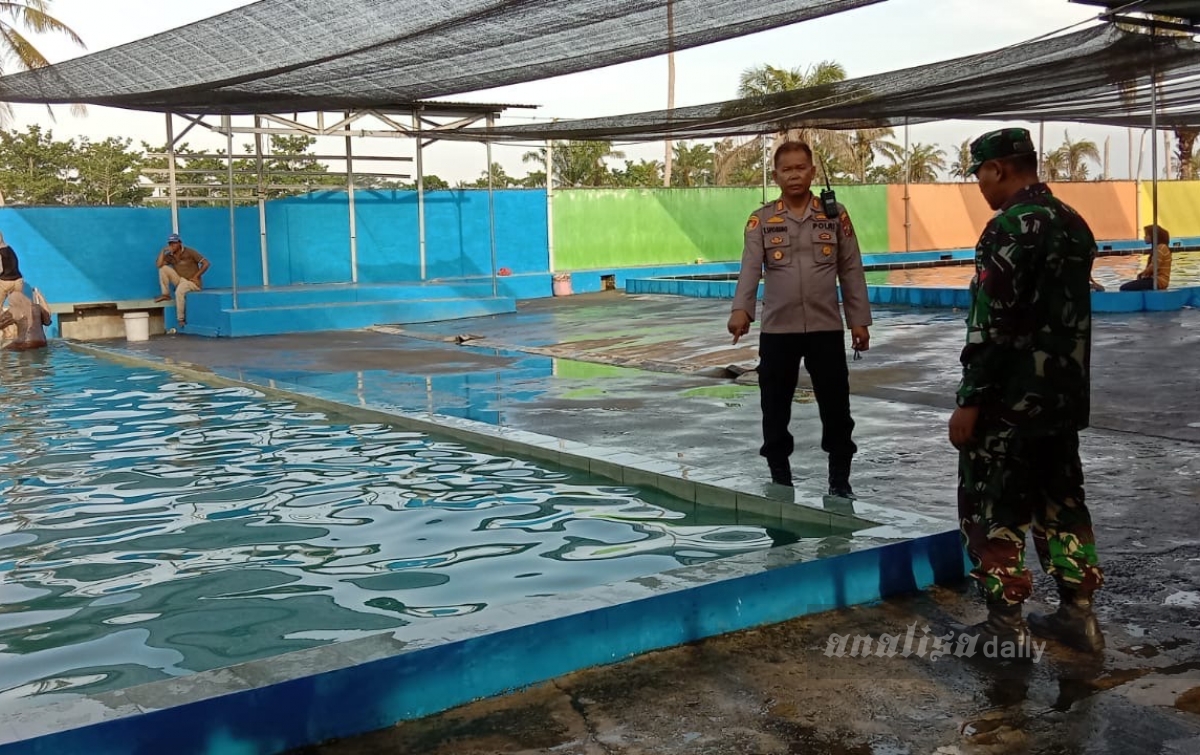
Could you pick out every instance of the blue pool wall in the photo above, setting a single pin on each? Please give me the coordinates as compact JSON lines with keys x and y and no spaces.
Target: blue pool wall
{"x":106,"y":254}
{"x":364,"y":685}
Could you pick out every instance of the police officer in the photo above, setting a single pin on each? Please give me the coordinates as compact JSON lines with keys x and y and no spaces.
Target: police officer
{"x":801,"y":250}
{"x":1024,"y":397}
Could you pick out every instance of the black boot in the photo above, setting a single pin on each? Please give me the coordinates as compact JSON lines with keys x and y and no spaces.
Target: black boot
{"x":781,"y":472}
{"x":1073,"y":624}
{"x":839,"y":477}
{"x":1002,"y":636}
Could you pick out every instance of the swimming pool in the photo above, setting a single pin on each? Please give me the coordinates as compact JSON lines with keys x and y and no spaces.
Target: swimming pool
{"x":1110,"y":271}
{"x":152,"y":528}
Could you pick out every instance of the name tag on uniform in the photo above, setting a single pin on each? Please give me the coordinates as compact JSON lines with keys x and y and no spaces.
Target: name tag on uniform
{"x":771,"y":231}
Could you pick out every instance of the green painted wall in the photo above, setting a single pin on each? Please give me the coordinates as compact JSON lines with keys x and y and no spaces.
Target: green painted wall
{"x":602,"y":228}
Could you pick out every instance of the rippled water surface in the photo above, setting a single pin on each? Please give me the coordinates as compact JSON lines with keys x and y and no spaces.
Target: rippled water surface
{"x":150,"y":527}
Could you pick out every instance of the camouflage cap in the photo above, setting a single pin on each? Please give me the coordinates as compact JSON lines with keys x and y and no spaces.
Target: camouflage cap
{"x":994,"y":145}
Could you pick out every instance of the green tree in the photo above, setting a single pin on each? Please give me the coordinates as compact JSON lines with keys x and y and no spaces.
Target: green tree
{"x":17,"y":52}
{"x":962,"y":161}
{"x":109,"y":173}
{"x":923,"y":162}
{"x":642,"y":174}
{"x":500,"y":179}
{"x":1073,"y":158}
{"x":578,"y":163}
{"x":738,"y":162}
{"x":35,"y":169}
{"x":693,"y":164}
{"x":1185,"y":147}
{"x":535,"y":180}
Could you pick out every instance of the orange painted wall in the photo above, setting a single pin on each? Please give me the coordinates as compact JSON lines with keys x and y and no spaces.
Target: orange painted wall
{"x":951,"y":216}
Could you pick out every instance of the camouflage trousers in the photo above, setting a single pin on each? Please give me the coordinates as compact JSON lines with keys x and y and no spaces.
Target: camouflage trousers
{"x":1006,"y":486}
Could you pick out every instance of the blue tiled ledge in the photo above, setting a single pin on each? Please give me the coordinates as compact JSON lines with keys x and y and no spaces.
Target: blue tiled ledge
{"x":339,"y":690}
{"x":928,"y":296}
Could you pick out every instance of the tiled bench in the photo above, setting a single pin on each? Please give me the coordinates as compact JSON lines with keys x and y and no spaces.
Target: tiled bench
{"x":99,"y":320}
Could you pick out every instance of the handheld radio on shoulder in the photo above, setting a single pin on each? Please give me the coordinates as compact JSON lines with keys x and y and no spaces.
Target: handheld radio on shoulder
{"x":828,"y":197}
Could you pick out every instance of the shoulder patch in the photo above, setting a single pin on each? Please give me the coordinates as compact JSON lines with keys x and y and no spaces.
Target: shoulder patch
{"x":847,"y":226}
{"x":752,"y":223}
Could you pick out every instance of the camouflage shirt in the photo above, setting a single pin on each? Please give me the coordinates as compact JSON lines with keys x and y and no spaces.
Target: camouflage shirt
{"x":1029,"y":329}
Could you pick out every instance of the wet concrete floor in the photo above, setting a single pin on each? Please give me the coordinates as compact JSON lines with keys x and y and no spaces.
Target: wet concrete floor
{"x":773,"y":689}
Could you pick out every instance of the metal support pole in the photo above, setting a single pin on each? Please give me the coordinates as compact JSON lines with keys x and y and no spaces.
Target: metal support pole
{"x":766,"y":159}
{"x":262,"y":203}
{"x":907,"y":202}
{"x":1041,"y":149}
{"x":420,"y":193}
{"x":550,"y":202}
{"x":1154,"y":169}
{"x":1129,"y":139}
{"x":172,"y":188}
{"x":228,"y":123}
{"x":350,"y":194}
{"x":491,"y":206}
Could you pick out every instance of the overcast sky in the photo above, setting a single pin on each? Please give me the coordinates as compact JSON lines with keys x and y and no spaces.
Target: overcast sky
{"x":889,"y":35}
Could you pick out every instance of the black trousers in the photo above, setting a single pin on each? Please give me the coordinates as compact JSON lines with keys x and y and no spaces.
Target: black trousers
{"x":1141,"y":284}
{"x":824,"y":356}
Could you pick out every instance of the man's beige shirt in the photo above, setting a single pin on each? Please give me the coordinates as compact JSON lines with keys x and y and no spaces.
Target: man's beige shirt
{"x":801,"y":260}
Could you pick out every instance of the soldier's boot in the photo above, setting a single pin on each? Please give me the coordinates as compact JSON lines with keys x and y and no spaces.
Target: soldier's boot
{"x":1073,"y":624}
{"x":781,"y":471}
{"x":1003,"y":624}
{"x":839,"y":477}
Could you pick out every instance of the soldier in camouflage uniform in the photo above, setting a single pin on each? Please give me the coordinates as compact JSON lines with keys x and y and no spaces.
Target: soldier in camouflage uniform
{"x":1024,"y":397}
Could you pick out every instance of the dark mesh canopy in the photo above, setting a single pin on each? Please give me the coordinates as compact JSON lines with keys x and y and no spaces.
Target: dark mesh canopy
{"x":1188,"y":10}
{"x":1097,"y":75}
{"x":300,"y":55}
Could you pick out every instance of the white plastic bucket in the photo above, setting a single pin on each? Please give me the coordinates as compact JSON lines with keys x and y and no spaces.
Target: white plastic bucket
{"x":562,"y":284}
{"x":137,"y":326}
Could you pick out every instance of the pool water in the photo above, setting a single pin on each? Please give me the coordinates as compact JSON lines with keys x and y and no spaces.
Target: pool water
{"x":152,"y":528}
{"x":1109,"y":271}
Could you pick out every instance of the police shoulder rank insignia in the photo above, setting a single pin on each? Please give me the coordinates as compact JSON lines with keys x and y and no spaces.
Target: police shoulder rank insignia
{"x":750,"y":226}
{"x":778,"y":255}
{"x":847,"y":227}
{"x":826,"y":237}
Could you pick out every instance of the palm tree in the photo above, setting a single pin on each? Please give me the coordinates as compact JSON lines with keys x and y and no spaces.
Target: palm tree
{"x":1054,"y":165}
{"x":1074,"y":157}
{"x":861,"y":148}
{"x":693,"y":164}
{"x":959,"y":168}
{"x":764,"y":80}
{"x":923,"y":160}
{"x":1185,"y":143}
{"x":578,"y":163}
{"x":21,"y":17}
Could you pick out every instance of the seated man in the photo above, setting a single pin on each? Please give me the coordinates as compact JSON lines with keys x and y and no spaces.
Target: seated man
{"x":183,"y":267}
{"x":1145,"y":279}
{"x":29,"y":317}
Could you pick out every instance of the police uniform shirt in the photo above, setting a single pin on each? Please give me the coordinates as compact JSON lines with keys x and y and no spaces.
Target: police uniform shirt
{"x":800,"y":260}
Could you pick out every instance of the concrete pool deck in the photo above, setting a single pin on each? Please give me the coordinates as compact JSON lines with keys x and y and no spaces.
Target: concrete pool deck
{"x":772,"y":689}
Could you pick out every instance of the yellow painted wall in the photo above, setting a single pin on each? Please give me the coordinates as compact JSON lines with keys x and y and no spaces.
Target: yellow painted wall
{"x":951,"y":216}
{"x":1178,"y":207}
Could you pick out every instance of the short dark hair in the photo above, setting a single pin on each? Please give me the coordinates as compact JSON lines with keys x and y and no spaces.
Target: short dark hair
{"x":1163,"y":236}
{"x":787,"y":147}
{"x":1024,"y":163}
